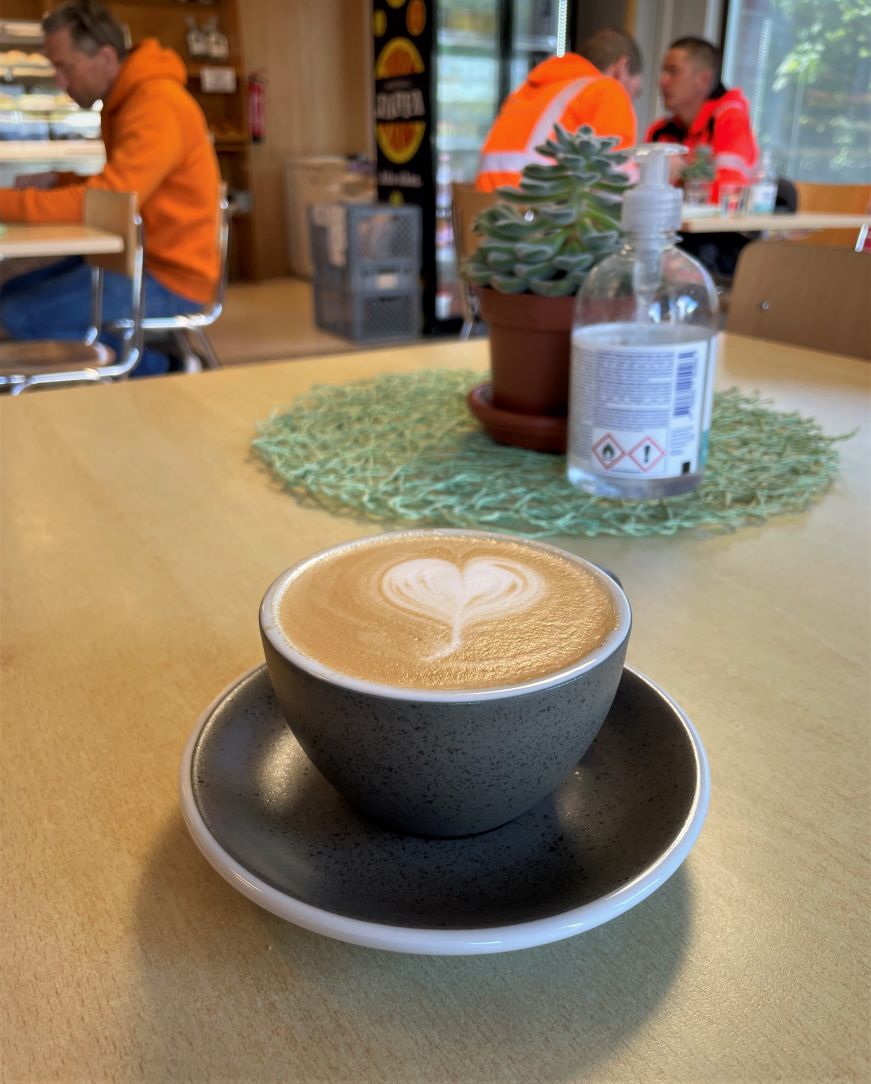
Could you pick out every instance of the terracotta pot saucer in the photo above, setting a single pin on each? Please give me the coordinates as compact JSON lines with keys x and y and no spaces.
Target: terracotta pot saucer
{"x":539,"y":433}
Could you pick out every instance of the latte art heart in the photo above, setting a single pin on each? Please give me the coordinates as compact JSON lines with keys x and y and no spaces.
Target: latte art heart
{"x":445,"y":611}
{"x":483,"y":588}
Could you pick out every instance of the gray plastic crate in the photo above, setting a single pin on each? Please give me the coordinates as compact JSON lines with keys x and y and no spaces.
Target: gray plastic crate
{"x":368,"y":248}
{"x":368,"y":317}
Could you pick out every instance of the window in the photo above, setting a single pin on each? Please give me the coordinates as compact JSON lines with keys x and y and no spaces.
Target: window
{"x":805,"y":66}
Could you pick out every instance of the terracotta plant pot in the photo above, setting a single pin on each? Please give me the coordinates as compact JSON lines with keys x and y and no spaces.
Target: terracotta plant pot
{"x":530,"y":350}
{"x":538,"y":432}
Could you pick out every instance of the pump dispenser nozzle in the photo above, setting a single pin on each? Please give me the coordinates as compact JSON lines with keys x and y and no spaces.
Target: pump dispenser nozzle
{"x":653,"y":205}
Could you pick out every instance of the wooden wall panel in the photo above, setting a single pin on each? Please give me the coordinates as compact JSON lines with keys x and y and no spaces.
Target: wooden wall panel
{"x":23,"y":9}
{"x":314,"y":57}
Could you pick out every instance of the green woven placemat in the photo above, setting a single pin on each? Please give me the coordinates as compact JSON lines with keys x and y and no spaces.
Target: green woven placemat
{"x":404,"y":449}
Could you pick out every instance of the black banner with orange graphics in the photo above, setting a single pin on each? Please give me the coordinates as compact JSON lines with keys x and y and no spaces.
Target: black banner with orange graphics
{"x":402,"y":33}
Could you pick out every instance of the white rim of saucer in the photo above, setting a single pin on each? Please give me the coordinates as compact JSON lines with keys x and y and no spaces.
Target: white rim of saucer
{"x":612,"y":643}
{"x":455,"y":942}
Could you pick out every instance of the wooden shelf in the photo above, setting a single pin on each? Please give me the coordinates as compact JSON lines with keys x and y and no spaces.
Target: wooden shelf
{"x":203,"y":7}
{"x":196,"y":70}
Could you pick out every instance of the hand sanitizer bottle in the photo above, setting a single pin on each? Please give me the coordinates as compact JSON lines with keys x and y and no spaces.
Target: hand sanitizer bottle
{"x":643,"y":353}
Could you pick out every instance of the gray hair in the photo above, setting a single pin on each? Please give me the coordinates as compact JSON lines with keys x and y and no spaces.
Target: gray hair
{"x":91,"y":26}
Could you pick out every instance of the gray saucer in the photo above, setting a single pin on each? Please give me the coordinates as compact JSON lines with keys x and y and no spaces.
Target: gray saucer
{"x":615,"y":830}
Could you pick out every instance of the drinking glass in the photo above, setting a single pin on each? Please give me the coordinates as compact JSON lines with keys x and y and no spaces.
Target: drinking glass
{"x":697,"y":193}
{"x":731,"y":198}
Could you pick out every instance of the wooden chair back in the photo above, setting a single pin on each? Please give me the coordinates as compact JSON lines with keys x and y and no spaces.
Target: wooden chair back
{"x":114,"y":212}
{"x":848,"y":199}
{"x":467,"y":204}
{"x":803,"y":295}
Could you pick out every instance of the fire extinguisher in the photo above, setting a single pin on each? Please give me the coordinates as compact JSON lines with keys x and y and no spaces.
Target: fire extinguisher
{"x":257,"y":108}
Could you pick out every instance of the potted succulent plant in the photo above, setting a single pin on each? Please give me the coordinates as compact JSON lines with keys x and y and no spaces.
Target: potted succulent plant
{"x":537,"y":246}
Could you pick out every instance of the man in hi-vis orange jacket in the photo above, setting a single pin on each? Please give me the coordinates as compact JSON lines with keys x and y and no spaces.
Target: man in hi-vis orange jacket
{"x":703,"y":113}
{"x":594,"y":88}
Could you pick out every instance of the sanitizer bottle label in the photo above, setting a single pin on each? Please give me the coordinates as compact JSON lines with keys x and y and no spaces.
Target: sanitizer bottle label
{"x":641,"y":406}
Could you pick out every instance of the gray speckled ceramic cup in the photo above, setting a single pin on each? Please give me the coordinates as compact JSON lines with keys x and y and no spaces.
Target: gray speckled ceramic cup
{"x":447,"y":761}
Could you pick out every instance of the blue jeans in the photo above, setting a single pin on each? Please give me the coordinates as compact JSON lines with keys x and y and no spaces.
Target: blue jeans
{"x":55,"y":303}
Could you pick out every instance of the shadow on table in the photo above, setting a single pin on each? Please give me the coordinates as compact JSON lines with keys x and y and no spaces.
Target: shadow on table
{"x":237,"y":992}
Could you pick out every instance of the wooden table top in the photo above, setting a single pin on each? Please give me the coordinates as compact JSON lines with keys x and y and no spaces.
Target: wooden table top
{"x":27,"y":240}
{"x":773,"y":223}
{"x":138,"y":535}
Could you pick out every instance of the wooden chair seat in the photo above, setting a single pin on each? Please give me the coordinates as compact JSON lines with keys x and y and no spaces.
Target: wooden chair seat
{"x":52,"y":356}
{"x":56,"y":363}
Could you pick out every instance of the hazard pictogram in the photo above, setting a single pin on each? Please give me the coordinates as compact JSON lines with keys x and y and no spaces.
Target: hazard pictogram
{"x":646,"y":453}
{"x":608,"y":451}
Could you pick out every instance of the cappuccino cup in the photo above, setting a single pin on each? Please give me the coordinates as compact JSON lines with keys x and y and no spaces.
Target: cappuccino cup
{"x":444,"y":681}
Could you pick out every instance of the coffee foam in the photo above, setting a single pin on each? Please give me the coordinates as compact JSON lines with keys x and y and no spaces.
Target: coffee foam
{"x":440,"y":611}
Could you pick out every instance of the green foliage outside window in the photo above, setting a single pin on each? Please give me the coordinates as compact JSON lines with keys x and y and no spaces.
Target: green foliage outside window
{"x":806,"y":66}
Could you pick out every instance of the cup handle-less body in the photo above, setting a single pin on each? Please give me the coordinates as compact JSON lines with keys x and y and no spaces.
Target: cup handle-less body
{"x":438,"y":768}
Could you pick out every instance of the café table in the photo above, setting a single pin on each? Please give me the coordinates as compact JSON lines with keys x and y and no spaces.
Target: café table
{"x":799,"y":221}
{"x":27,"y":240}
{"x":138,"y":535}
{"x":25,"y":246}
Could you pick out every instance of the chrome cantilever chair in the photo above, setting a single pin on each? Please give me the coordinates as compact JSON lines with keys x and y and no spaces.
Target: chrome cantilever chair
{"x":187,"y":331}
{"x":40,"y":363}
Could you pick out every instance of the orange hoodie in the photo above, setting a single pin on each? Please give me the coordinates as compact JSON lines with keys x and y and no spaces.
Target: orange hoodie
{"x":157,"y":145}
{"x":566,"y":90}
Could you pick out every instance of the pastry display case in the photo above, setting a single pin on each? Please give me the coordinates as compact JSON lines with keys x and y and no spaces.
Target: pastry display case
{"x":41,"y":128}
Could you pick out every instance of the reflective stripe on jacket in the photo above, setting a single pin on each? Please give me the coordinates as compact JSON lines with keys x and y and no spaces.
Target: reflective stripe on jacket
{"x":723,"y":124}
{"x":566,"y":90}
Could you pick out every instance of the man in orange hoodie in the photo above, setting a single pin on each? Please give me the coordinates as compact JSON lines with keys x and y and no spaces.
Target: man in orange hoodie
{"x":157,"y":145}
{"x":594,"y":86}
